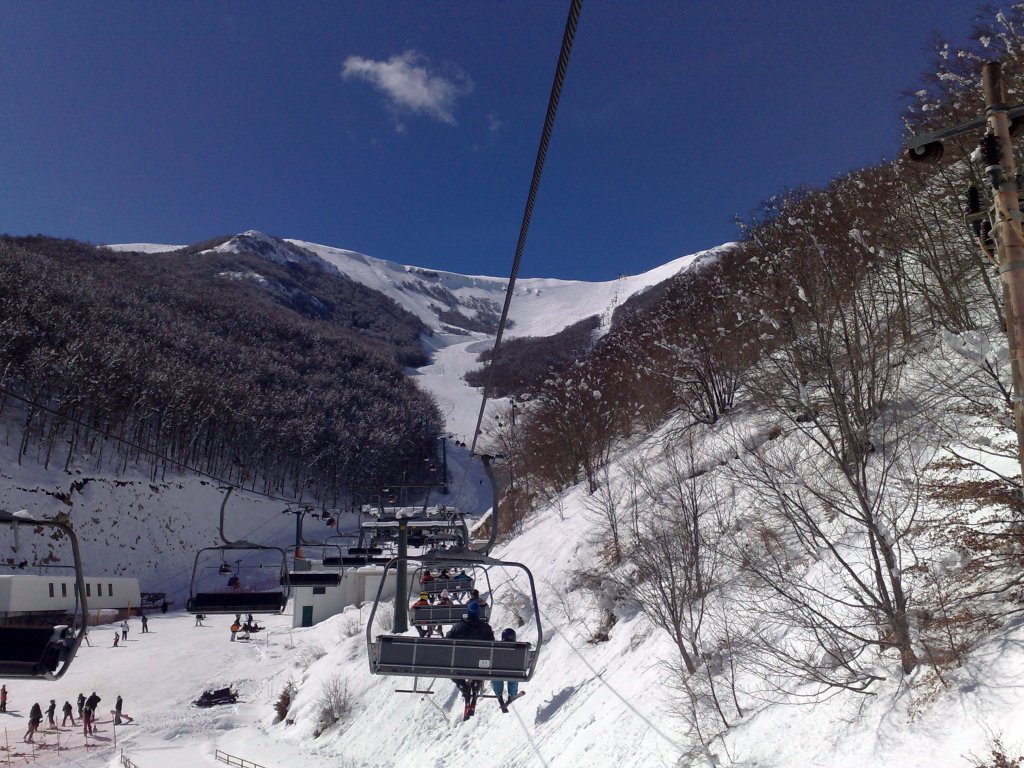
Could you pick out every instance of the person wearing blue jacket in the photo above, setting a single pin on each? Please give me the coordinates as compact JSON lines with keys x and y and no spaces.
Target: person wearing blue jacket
{"x":508,"y":635}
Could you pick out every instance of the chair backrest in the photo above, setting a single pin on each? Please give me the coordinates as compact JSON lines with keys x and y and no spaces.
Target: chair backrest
{"x":237,"y":602}
{"x":443,"y":614}
{"x":437,"y":586}
{"x":314,"y":578}
{"x":460,"y":659}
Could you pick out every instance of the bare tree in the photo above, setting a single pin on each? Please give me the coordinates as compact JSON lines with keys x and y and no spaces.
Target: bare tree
{"x":843,"y":493}
{"x":606,"y":507}
{"x":673,"y":565}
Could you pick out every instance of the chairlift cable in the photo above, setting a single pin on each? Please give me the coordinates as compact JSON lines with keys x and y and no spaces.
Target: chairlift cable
{"x":538,"y":168}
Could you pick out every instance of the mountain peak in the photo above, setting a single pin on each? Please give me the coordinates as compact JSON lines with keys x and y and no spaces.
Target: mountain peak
{"x":272,"y":249}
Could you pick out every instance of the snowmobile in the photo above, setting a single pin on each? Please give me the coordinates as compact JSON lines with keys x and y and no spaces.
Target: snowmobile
{"x":217,"y":697}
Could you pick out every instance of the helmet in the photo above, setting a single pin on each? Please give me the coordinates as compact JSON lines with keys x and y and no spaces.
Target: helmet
{"x":444,"y":594}
{"x":508,"y":635}
{"x":424,"y":596}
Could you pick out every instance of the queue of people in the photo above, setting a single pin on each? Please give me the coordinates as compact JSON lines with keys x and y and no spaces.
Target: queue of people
{"x":88,"y":709}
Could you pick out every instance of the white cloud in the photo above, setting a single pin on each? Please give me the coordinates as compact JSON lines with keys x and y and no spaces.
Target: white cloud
{"x":409,"y":85}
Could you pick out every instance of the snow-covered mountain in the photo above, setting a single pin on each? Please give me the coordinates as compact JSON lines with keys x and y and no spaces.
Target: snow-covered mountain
{"x":461,"y":311}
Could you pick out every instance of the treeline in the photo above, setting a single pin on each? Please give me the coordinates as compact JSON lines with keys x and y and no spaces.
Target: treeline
{"x":690,"y":345}
{"x":525,"y":362}
{"x":861,"y":513}
{"x":185,"y":367}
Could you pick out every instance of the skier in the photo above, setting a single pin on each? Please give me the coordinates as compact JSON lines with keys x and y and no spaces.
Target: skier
{"x":3,"y":698}
{"x":444,"y":599}
{"x":87,"y":720}
{"x":68,"y":711}
{"x":163,"y":607}
{"x":93,"y":702}
{"x":508,"y":635}
{"x":117,"y":638}
{"x":50,"y":712}
{"x":463,"y":578}
{"x":124,"y":630}
{"x":35,"y":717}
{"x":423,"y":602}
{"x":81,"y":703}
{"x":471,"y":627}
{"x":145,"y":624}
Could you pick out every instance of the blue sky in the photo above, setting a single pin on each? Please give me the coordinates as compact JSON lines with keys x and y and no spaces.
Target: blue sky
{"x":408,"y":130}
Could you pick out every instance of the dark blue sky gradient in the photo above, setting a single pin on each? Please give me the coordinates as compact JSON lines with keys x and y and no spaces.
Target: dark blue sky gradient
{"x":178,"y":121}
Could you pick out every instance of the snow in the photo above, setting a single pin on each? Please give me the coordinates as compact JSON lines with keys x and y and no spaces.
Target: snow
{"x":143,"y":247}
{"x":540,"y":307}
{"x":594,"y":704}
{"x":600,"y":705}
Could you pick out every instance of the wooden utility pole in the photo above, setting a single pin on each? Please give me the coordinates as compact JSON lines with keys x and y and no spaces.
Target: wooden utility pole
{"x":1003,"y":218}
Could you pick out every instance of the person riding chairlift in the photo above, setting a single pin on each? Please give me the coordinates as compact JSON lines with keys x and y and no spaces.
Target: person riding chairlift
{"x":471,"y":627}
{"x":423,"y":602}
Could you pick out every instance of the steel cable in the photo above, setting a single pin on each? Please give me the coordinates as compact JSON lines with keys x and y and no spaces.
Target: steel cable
{"x":538,"y":168}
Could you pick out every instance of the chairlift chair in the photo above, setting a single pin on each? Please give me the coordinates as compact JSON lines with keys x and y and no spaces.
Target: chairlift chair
{"x":327,"y":576}
{"x":234,"y":600}
{"x":229,"y":600}
{"x":34,"y":648}
{"x":413,"y":656}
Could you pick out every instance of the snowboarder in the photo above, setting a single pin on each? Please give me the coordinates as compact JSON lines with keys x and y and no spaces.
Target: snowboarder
{"x":35,"y":717}
{"x":124,"y":630}
{"x":3,"y":698}
{"x":68,"y":711}
{"x":51,"y":711}
{"x":471,"y":627}
{"x":145,"y":624}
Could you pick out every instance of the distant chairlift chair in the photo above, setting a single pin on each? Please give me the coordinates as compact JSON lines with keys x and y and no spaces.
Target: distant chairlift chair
{"x":31,"y":649}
